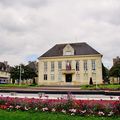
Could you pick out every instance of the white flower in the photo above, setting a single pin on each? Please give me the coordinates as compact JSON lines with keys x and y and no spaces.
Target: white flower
{"x":101,"y":113}
{"x":84,"y":111}
{"x":36,"y":109}
{"x":53,"y":110}
{"x":64,"y":111}
{"x":110,"y":113}
{"x":45,"y":109}
{"x":72,"y":110}
{"x":26,"y":108}
{"x":72,"y":113}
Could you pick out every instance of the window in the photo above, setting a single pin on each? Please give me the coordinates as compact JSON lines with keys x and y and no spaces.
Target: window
{"x":77,"y":77}
{"x":59,"y":76}
{"x":85,"y":65}
{"x":45,"y":66}
{"x":52,"y":66}
{"x":85,"y":77}
{"x":77,"y":65}
{"x":93,"y":65}
{"x":94,"y":76}
{"x":45,"y":76}
{"x":68,"y":53}
{"x":59,"y":65}
{"x":52,"y":76}
{"x":68,"y":65}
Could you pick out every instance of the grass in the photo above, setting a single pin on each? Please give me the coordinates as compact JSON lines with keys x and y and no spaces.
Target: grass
{"x":19,"y":86}
{"x":83,"y":87}
{"x":108,"y":86}
{"x":20,"y":115}
{"x":13,"y":85}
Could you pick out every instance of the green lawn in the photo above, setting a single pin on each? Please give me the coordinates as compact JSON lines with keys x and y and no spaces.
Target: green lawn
{"x":13,"y":85}
{"x":20,"y":115}
{"x":83,"y":87}
{"x":109,"y":86}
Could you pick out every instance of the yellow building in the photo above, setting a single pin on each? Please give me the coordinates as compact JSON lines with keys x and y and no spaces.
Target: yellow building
{"x":4,"y":72}
{"x":70,"y":64}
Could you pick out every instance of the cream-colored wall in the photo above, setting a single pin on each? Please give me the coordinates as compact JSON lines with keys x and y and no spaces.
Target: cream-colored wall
{"x":4,"y":74}
{"x":81,"y":81}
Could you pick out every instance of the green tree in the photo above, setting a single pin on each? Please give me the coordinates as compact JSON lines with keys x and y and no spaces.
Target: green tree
{"x":26,"y":73}
{"x":15,"y":74}
{"x":29,"y":73}
{"x":105,"y":74}
{"x":115,"y":71}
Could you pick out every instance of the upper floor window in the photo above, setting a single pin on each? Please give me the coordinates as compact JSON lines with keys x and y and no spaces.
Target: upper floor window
{"x":85,"y":65}
{"x":68,"y":50}
{"x":52,"y":66}
{"x":68,"y":65}
{"x":59,"y":65}
{"x":68,"y":53}
{"x":77,"y":65}
{"x":45,"y":66}
{"x":93,"y":65}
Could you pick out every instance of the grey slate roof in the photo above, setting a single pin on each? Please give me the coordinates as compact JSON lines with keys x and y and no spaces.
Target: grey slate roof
{"x":79,"y":49}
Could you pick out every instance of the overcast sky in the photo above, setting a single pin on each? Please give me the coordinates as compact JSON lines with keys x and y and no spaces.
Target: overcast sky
{"x":28,"y":28}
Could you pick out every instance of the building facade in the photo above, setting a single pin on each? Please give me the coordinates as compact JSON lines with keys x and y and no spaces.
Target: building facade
{"x":70,"y":64}
{"x":4,"y":72}
{"x":116,"y":60}
{"x":115,"y":80}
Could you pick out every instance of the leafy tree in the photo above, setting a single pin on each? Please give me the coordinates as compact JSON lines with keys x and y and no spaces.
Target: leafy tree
{"x":26,"y":73}
{"x":115,"y":71}
{"x":29,"y":73}
{"x":105,"y":74}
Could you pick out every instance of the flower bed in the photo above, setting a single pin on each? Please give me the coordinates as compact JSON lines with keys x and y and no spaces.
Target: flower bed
{"x":64,"y":105}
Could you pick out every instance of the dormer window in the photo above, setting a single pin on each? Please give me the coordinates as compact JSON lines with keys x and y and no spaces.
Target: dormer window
{"x":68,"y":50}
{"x":68,"y":53}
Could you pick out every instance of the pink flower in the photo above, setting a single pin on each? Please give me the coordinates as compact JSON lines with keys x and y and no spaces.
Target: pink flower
{"x":17,"y":107}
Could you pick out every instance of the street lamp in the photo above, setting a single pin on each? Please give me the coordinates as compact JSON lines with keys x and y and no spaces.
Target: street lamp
{"x":20,"y":74}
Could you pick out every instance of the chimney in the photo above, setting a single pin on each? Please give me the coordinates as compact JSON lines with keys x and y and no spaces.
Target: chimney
{"x":6,"y":63}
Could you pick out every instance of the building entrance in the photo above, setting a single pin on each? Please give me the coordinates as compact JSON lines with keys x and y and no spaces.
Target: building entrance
{"x":68,"y":77}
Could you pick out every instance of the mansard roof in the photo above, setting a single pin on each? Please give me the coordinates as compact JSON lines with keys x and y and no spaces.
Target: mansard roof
{"x":79,"y":49}
{"x":4,"y":67}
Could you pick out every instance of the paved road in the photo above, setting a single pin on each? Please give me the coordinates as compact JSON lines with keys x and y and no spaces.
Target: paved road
{"x":56,"y":96}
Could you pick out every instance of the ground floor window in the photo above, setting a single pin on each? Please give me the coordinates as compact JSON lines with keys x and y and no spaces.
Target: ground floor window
{"x":86,"y":76}
{"x":45,"y":76}
{"x":77,"y":77}
{"x":59,"y":76}
{"x":94,"y":77}
{"x":52,"y":77}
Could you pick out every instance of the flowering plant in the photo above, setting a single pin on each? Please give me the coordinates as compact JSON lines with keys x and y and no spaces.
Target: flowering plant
{"x":65,"y":105}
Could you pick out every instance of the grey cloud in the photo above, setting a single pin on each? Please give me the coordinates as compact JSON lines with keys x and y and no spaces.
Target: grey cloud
{"x":26,"y":31}
{"x":29,"y":3}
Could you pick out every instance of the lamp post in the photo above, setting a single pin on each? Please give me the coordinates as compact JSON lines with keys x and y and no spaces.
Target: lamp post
{"x":96,"y":84}
{"x":20,"y":76}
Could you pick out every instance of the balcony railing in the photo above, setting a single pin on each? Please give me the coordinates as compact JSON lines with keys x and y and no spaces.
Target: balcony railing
{"x":65,"y":71}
